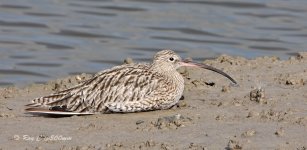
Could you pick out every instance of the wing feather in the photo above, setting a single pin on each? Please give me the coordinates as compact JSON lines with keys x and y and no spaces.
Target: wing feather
{"x":118,"y":84}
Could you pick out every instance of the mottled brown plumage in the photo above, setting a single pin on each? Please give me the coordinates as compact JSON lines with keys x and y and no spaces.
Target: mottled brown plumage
{"x":125,"y":88}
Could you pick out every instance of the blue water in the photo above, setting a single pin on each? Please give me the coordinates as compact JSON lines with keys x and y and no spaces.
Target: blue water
{"x":41,"y":40}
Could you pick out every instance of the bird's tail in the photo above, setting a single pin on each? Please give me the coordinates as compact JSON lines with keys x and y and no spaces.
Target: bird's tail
{"x":44,"y":111}
{"x":66,"y":102}
{"x":47,"y":101}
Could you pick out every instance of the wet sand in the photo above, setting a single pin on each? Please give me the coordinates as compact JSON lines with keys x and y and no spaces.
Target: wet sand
{"x":267,"y":111}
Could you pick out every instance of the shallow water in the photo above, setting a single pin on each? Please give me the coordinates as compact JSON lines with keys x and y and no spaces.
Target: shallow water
{"x":42,"y":40}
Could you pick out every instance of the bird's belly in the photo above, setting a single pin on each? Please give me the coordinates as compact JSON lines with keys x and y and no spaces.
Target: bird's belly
{"x":177,"y":97}
{"x":174,"y":95}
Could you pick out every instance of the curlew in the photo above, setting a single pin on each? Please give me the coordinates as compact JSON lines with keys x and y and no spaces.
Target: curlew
{"x":124,"y":88}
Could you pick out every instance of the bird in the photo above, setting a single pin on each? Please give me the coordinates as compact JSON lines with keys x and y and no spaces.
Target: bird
{"x":125,"y":88}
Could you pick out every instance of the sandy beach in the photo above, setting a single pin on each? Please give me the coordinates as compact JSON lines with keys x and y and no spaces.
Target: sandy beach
{"x":268,"y":110}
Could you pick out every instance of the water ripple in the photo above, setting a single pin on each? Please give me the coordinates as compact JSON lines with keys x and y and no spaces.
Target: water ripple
{"x":85,"y":34}
{"x":14,"y":6}
{"x":207,"y":2}
{"x":22,"y":24}
{"x":21,"y":57}
{"x":54,"y":46}
{"x":241,"y":4}
{"x":107,"y":62}
{"x":267,"y":40}
{"x":11,"y":42}
{"x":39,"y":64}
{"x":194,"y":40}
{"x":41,"y":14}
{"x":121,"y":8}
{"x":267,"y":48}
{"x":6,"y":84}
{"x":21,"y":72}
{"x":298,"y":34}
{"x":265,"y":15}
{"x":186,"y":30}
{"x":279,"y":28}
{"x":95,"y":13}
{"x":151,"y":49}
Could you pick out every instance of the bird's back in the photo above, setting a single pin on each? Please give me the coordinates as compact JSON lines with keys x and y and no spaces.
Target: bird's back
{"x":121,"y":84}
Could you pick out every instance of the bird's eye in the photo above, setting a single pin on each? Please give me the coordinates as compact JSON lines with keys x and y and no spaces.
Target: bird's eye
{"x":171,"y":59}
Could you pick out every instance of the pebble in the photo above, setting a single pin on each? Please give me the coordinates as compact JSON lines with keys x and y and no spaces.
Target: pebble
{"x":258,"y":95}
{"x":234,"y":145}
{"x":249,"y":133}
{"x":280,"y":132}
{"x":225,"y":89}
{"x":128,"y":61}
{"x":139,"y":122}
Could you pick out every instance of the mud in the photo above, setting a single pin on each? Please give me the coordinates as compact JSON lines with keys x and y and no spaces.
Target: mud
{"x":268,"y":110}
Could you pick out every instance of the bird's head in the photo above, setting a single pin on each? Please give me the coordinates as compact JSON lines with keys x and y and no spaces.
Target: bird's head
{"x":168,"y":60}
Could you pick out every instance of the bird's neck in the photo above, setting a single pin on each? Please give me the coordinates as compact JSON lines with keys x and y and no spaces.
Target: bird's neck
{"x":175,"y":76}
{"x":161,"y":67}
{"x":168,"y":72}
{"x":177,"y":82}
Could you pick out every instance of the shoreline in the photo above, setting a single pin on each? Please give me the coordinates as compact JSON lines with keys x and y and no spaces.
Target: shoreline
{"x":266,"y":111}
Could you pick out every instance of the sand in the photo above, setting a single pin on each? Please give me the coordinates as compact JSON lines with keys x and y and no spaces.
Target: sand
{"x":267,"y":111}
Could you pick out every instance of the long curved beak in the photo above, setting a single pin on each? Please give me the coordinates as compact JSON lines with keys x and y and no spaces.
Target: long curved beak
{"x":204,"y":66}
